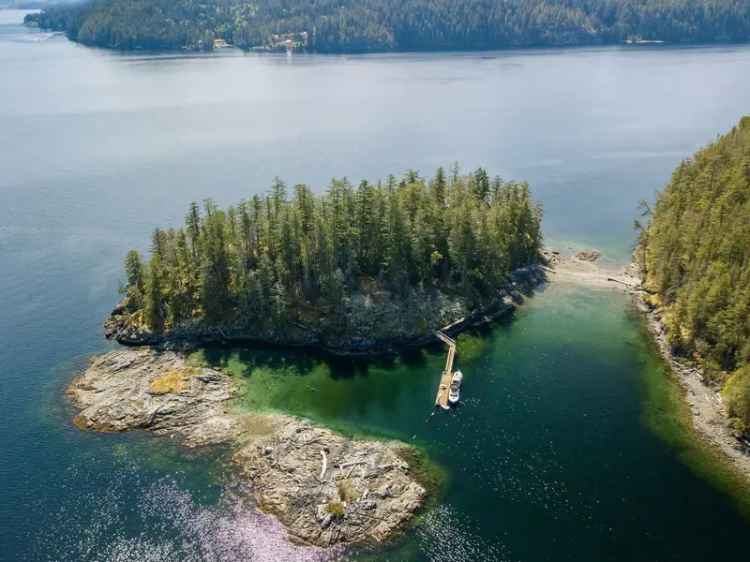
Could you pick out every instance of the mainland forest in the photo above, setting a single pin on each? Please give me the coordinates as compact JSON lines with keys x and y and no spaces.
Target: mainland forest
{"x":395,"y":25}
{"x":696,"y":257}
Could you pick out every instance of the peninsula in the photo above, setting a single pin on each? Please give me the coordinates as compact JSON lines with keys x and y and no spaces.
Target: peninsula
{"x":359,"y":270}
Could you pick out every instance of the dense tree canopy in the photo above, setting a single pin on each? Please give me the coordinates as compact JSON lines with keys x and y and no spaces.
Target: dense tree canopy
{"x":696,"y":254}
{"x":291,"y":254}
{"x":383,"y":25}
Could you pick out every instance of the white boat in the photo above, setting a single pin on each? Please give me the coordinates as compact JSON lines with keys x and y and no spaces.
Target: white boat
{"x":455,"y":391}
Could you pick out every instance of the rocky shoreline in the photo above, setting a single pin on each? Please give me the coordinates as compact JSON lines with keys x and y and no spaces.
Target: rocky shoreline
{"x":325,"y":488}
{"x":376,"y":324}
{"x":709,"y":415}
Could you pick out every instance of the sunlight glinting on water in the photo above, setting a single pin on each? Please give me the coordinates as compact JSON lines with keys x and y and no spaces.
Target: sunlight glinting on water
{"x":230,"y":531}
{"x":179,"y":529}
{"x":446,"y":536}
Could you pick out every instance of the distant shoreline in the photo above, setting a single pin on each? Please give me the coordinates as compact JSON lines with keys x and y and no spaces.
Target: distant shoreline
{"x":391,"y":25}
{"x":628,"y":44}
{"x":624,"y":44}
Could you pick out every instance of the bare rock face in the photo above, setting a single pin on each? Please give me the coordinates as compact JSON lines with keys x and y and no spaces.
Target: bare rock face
{"x":324,"y":487}
{"x":144,"y":389}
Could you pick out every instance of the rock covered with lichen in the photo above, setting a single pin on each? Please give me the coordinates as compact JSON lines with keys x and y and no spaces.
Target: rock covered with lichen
{"x":158,"y":391}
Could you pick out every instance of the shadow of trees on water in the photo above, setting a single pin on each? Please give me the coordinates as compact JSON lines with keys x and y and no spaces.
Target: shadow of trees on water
{"x":299,"y":362}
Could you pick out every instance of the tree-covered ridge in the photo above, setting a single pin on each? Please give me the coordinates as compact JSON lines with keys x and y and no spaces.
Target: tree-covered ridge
{"x":387,"y":25}
{"x":293,"y":258}
{"x":696,"y":254}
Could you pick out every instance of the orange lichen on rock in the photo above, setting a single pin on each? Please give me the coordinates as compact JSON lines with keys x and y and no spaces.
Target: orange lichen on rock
{"x":174,"y":381}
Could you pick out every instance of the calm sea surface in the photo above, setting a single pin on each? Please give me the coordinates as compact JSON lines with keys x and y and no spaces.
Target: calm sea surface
{"x":566,"y":448}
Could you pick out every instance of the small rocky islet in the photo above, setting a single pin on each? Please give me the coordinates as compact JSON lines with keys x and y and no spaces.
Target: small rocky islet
{"x":325,"y":488}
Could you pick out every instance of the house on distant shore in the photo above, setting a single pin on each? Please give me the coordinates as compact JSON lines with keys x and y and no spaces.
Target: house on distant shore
{"x":221,"y":44}
{"x":638,"y":40}
{"x":289,"y":41}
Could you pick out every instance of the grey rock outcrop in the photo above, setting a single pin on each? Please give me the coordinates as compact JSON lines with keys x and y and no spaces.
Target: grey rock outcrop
{"x":325,"y":488}
{"x":158,"y":391}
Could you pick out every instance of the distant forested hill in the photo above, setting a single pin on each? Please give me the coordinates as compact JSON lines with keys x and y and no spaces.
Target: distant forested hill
{"x":33,"y":4}
{"x":389,"y":25}
{"x":696,"y":255}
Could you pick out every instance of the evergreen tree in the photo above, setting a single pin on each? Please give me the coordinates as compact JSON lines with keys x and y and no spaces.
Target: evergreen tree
{"x":134,"y":276}
{"x":215,"y":280}
{"x":154,"y":304}
{"x":193,"y":226}
{"x":134,"y":269}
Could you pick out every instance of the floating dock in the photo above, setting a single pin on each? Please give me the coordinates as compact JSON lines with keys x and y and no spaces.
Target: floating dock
{"x":441,"y":399}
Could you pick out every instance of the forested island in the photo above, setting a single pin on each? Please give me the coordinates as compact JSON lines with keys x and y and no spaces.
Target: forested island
{"x":695,"y":258}
{"x":359,"y":269}
{"x":335,"y":26}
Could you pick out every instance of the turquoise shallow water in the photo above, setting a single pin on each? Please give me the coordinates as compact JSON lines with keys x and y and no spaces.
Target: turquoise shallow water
{"x":567,"y":446}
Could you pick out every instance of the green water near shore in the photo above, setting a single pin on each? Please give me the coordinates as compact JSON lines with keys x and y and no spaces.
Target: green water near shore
{"x":667,"y":414}
{"x":565,"y":415}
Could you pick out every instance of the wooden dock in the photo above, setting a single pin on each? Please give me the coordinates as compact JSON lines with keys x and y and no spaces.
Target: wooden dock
{"x":441,"y":399}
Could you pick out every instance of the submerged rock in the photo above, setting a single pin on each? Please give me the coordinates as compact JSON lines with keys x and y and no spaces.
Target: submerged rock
{"x":324,"y":487}
{"x":589,"y":255}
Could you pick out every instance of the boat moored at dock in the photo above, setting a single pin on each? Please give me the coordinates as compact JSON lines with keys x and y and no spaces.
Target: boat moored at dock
{"x":454,"y":394}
